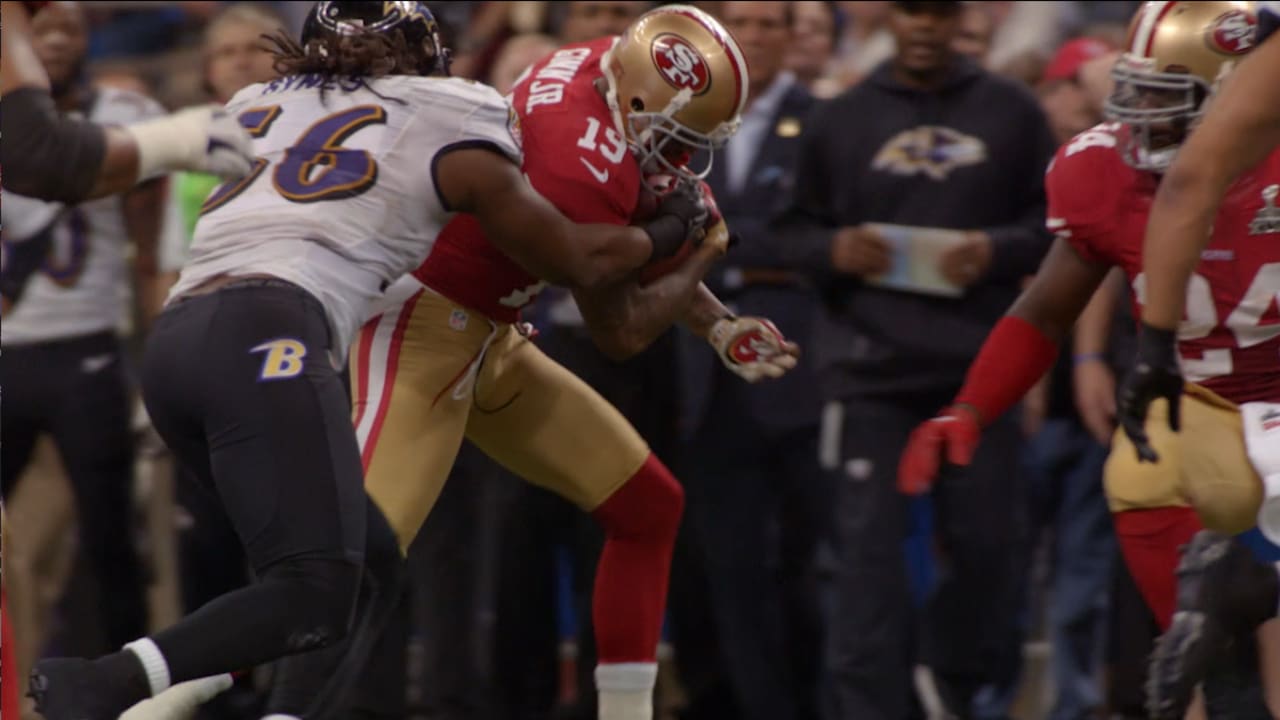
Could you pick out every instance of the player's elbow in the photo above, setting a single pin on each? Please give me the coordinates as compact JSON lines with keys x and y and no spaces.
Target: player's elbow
{"x":590,"y":275}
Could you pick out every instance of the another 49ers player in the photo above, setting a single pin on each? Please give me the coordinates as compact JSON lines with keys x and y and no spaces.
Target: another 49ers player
{"x":1222,"y":591}
{"x":1100,"y":189}
{"x":452,"y":359}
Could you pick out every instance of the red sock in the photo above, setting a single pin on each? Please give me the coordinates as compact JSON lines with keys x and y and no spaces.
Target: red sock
{"x":640,"y":521}
{"x":1151,"y":541}
{"x":9,"y":690}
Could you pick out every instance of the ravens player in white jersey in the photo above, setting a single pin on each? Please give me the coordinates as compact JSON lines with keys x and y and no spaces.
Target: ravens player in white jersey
{"x":64,"y":280}
{"x":361,"y":161}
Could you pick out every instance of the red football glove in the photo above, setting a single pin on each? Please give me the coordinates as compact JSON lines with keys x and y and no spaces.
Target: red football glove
{"x":953,"y":434}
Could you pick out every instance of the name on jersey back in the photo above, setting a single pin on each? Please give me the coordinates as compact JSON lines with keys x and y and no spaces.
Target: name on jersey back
{"x":548,"y":83}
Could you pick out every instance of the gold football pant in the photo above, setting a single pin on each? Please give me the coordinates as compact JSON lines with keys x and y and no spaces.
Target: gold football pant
{"x":1204,"y":466}
{"x":428,"y":372}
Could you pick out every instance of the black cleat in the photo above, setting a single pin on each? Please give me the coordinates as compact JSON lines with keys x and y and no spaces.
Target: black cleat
{"x":1224,"y":594}
{"x":73,"y":689}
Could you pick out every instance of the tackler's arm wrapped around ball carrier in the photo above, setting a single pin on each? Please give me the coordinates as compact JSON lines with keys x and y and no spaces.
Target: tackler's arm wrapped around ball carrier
{"x":625,"y":318}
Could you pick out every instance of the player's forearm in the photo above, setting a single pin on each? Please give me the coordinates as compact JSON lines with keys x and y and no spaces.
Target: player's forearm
{"x":599,"y":256}
{"x":1093,"y":329}
{"x":626,"y":318}
{"x":1241,"y":128}
{"x":703,"y":312}
{"x":1177,"y":232}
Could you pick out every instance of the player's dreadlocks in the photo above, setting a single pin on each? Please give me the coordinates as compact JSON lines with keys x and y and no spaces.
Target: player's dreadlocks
{"x":356,"y":55}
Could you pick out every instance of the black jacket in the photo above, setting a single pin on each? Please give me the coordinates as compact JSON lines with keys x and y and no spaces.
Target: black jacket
{"x":970,"y":155}
{"x":792,"y":401}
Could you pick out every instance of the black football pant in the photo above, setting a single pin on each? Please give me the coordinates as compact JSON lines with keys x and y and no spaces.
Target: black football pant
{"x":241,"y":386}
{"x":76,"y":391}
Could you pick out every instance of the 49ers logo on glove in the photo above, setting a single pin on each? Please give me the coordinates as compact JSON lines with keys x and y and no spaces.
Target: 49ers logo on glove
{"x":758,"y":344}
{"x":752,"y":347}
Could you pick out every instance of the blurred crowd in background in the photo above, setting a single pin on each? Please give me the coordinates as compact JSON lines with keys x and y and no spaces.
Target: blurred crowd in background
{"x":502,"y":570}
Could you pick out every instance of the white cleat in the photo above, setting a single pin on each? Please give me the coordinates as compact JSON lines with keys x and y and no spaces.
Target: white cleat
{"x":180,"y":701}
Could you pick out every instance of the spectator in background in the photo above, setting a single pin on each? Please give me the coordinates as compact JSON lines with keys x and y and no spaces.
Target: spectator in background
{"x":576,"y":22}
{"x":1066,"y":103}
{"x":865,"y":41}
{"x":917,"y":144}
{"x":1028,"y":33}
{"x":517,"y":54}
{"x":755,"y":495}
{"x":977,"y":27}
{"x":814,"y":31}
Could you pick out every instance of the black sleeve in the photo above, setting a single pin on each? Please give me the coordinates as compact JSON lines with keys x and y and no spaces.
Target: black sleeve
{"x":804,"y":230}
{"x":44,"y":155}
{"x":1018,"y":247}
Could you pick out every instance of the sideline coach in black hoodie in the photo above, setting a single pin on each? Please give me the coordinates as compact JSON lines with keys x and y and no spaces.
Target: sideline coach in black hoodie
{"x":930,"y":140}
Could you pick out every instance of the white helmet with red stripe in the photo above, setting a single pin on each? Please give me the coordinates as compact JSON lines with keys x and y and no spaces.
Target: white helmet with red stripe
{"x":1176,"y":54}
{"x":677,"y":82}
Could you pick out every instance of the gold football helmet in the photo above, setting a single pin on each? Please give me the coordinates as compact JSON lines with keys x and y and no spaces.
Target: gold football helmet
{"x":1175,"y":56}
{"x":676,"y":74}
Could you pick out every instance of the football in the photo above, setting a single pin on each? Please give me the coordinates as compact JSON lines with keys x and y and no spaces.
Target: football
{"x":647,"y":205}
{"x":651,"y":192}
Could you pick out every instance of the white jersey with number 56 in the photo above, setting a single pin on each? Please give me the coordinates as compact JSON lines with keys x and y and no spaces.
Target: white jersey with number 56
{"x":342,"y":199}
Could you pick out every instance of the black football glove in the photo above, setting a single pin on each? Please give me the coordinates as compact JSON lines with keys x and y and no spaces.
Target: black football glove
{"x":1155,"y":374}
{"x":680,"y":218}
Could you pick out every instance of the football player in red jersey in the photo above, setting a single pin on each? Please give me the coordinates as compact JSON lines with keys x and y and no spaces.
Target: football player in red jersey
{"x":449,"y":357}
{"x":52,"y":157}
{"x":1222,"y":591}
{"x":1100,"y":187}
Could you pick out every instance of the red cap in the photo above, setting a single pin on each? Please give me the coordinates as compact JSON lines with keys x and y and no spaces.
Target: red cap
{"x":1066,"y":63}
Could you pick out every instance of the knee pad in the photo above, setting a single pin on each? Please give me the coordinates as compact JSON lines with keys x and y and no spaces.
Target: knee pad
{"x":321,"y":593}
{"x":649,"y":504}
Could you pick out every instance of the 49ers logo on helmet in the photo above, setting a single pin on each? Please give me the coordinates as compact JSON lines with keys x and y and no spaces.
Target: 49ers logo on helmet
{"x":1232,"y":32}
{"x":680,"y":64}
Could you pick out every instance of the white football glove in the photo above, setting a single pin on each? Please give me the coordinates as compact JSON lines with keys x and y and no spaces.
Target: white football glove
{"x":203,"y":139}
{"x":753,"y":348}
{"x":181,"y":701}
